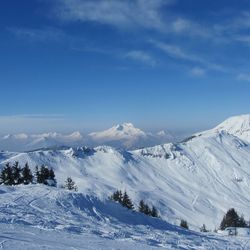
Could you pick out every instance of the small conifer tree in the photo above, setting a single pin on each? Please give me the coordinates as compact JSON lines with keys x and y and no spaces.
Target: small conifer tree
{"x":6,"y":175}
{"x":126,"y":201}
{"x":70,"y":184}
{"x":154,"y":212}
{"x":232,"y":219}
{"x":141,"y":206}
{"x":16,"y":174}
{"x":184,"y":224}
{"x":203,"y":228}
{"x":27,"y":176}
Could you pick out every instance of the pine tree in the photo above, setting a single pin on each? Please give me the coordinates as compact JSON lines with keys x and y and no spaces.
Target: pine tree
{"x":154,"y":212}
{"x":242,"y":222}
{"x":70,"y":184}
{"x":120,"y":196}
{"x":27,"y":177}
{"x":203,"y":228}
{"x":45,"y":176}
{"x":16,"y":174}
{"x":52,"y":174}
{"x":232,"y":219}
{"x":126,"y":201}
{"x":51,"y":181}
{"x":6,"y":175}
{"x":38,"y":175}
{"x":117,"y":196}
{"x":141,"y":207}
{"x":147,"y":210}
{"x":184,"y":224}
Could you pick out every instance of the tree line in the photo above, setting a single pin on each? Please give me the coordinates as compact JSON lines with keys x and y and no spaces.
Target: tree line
{"x":125,"y":201}
{"x":14,"y":174}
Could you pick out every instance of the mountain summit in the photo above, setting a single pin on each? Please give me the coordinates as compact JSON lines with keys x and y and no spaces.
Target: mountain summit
{"x":127,"y":136}
{"x":120,"y":131}
{"x":238,"y":126}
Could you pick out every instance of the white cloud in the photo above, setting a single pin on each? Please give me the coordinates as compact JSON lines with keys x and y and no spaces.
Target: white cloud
{"x":141,"y":56}
{"x":130,"y":13}
{"x":190,"y":28}
{"x":176,"y":52}
{"x":244,"y":77}
{"x":43,"y":35}
{"x":181,"y":54}
{"x":243,"y":38}
{"x":197,"y":71}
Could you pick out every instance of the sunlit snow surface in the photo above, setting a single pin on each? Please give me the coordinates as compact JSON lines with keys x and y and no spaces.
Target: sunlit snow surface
{"x":39,"y":217}
{"x":198,"y":180}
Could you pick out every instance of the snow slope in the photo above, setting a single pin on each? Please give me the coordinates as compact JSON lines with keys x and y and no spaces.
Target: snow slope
{"x":40,"y":217}
{"x":198,"y":179}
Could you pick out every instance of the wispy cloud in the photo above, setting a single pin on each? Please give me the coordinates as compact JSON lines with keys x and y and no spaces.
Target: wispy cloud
{"x":177,"y":52}
{"x":198,"y":72}
{"x":125,"y":14}
{"x":244,"y":77}
{"x":131,"y":14}
{"x":243,"y":38}
{"x":142,"y":57}
{"x":41,"y":34}
{"x":187,"y":27}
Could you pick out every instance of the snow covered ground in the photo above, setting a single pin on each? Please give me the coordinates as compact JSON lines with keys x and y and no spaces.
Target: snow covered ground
{"x":41,"y":217}
{"x":198,"y":180}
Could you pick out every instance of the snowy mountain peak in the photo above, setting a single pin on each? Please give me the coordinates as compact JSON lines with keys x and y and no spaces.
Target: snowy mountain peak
{"x":236,"y":125}
{"x":125,"y":125}
{"x":119,"y":131}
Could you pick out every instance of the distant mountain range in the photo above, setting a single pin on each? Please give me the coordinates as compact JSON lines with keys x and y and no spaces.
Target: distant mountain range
{"x":122,"y":136}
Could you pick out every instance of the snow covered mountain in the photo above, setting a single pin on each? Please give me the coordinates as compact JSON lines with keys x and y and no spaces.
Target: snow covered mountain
{"x":237,"y":125}
{"x":198,"y":179}
{"x":124,"y":136}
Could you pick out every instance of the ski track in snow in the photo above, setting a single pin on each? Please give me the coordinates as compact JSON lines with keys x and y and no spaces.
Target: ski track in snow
{"x":75,"y":221}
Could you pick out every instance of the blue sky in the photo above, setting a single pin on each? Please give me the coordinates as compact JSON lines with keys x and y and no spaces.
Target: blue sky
{"x":88,"y":64}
